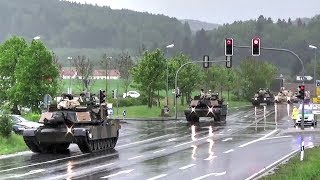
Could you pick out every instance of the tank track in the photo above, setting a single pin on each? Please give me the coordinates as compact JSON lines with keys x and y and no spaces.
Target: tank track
{"x":37,"y":147}
{"x":89,"y":146}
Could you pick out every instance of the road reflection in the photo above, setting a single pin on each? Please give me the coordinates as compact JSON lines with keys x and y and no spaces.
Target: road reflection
{"x":69,"y":170}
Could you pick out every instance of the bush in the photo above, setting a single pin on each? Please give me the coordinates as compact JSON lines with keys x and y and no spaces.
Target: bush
{"x":32,"y":116}
{"x":5,"y":126}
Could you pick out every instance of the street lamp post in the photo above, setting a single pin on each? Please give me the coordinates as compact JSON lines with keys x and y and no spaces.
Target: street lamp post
{"x":108,"y":59}
{"x":70,"y":82}
{"x":314,"y":67}
{"x":167,"y":79}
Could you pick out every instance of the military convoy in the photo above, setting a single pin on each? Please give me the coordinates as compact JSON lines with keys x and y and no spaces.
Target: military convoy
{"x":207,"y":105}
{"x":263,"y":96}
{"x":80,"y":120}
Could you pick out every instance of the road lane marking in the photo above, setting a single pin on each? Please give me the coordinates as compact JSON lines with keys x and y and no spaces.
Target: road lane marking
{"x":187,"y":166}
{"x":138,"y":142}
{"x":158,"y":177}
{"x":211,"y":174}
{"x":277,"y":137}
{"x":159,"y":151}
{"x":28,"y":173}
{"x":46,"y":162}
{"x":229,"y":129}
{"x":172,"y":139}
{"x":210,"y":158}
{"x":226,"y":152}
{"x":273,"y":164}
{"x":191,"y":141}
{"x":228,"y":139}
{"x":256,"y":140}
{"x":118,"y":173}
{"x":136,"y":157}
{"x":102,"y":166}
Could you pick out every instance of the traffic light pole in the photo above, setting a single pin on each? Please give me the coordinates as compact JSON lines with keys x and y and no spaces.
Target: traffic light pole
{"x":176,"y":82}
{"x":291,"y":52}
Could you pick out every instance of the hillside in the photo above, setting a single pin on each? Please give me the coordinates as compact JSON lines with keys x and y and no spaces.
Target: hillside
{"x":196,"y":25}
{"x":70,"y":25}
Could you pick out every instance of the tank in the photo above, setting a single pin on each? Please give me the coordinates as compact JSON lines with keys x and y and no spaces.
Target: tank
{"x":285,"y":96}
{"x":263,"y":96}
{"x":81,"y":121}
{"x":207,"y":106}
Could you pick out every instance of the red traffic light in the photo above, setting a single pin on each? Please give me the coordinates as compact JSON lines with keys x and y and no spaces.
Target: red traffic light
{"x":301,"y":88}
{"x":255,"y":47}
{"x":255,"y":41}
{"x":229,"y":41}
{"x":228,"y":49}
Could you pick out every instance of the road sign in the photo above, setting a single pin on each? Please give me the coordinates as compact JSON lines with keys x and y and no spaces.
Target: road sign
{"x":318,"y":83}
{"x":300,"y":78}
{"x":316,"y":100}
{"x":318,"y":91}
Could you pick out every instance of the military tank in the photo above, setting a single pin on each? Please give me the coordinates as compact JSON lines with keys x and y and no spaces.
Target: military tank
{"x":81,"y":120}
{"x":206,"y":106}
{"x":284,"y":96}
{"x":263,"y":96}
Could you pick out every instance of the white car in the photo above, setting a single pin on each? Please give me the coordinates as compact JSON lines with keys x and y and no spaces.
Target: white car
{"x":133,"y":94}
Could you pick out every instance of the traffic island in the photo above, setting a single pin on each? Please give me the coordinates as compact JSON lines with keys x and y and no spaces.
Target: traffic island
{"x":295,"y":131}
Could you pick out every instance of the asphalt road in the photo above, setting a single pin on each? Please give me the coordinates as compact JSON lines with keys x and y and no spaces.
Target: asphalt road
{"x":174,"y":150}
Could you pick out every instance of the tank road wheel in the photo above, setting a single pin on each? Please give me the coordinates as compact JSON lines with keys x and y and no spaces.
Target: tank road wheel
{"x":32,"y":144}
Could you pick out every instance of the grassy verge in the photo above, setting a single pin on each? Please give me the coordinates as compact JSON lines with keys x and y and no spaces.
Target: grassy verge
{"x":295,"y":169}
{"x":11,"y":145}
{"x":145,"y":112}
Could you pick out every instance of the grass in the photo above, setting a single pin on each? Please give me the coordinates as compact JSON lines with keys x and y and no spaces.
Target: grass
{"x":13,"y":144}
{"x":295,"y":169}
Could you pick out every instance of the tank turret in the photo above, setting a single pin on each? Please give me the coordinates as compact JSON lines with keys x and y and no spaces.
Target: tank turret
{"x":263,"y":96}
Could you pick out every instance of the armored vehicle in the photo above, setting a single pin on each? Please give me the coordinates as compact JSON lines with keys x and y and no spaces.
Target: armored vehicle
{"x":80,"y":120}
{"x":263,"y":96}
{"x":284,"y":96}
{"x":206,"y":106}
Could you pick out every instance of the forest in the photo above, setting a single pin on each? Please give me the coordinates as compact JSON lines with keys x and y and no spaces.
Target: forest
{"x":73,"y":29}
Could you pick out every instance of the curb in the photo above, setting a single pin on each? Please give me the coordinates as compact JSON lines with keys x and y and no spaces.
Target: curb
{"x":162,"y":118}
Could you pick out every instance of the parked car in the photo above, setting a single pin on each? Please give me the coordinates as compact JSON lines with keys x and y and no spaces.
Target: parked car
{"x":20,"y":124}
{"x":133,"y":94}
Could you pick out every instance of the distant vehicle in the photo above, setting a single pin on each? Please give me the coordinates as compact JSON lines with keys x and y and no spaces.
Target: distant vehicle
{"x":263,"y":96}
{"x":133,"y":94}
{"x":20,"y":124}
{"x":309,"y":117}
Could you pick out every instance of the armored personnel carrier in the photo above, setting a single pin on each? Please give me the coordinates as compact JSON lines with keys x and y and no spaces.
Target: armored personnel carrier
{"x":206,"y":106}
{"x":81,"y":120}
{"x":263,"y":96}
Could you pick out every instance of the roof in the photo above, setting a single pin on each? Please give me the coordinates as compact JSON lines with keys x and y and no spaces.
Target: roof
{"x":96,"y":72}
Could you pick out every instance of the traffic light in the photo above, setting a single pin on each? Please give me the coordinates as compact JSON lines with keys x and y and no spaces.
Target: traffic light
{"x":301,"y":93}
{"x":206,"y":63}
{"x":255,"y":47}
{"x":178,"y":94}
{"x":112,"y":92}
{"x":228,"y":47}
{"x":102,"y":96}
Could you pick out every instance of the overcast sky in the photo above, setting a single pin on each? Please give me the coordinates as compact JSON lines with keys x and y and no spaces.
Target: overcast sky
{"x":218,"y":11}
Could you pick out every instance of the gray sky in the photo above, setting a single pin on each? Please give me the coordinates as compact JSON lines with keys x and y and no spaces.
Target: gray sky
{"x":218,"y":11}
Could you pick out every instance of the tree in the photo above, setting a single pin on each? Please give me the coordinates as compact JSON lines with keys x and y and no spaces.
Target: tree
{"x":84,"y":68}
{"x":33,"y":82}
{"x":149,"y":74}
{"x":10,"y":52}
{"x":125,"y":64}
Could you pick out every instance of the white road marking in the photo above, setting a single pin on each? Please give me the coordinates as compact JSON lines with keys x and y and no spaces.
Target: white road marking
{"x":191,"y":141}
{"x":210,"y":158}
{"x":256,"y":140}
{"x":228,"y":139}
{"x":186,"y":167}
{"x":29,"y":173}
{"x":211,"y":174}
{"x":138,"y":142}
{"x":159,"y":151}
{"x":271,"y":165}
{"x":172,"y":139}
{"x":229,"y":129}
{"x":277,"y":137}
{"x":46,"y":162}
{"x":136,"y":157}
{"x":102,"y":166}
{"x":157,"y":177}
{"x":226,"y":152}
{"x":118,"y":173}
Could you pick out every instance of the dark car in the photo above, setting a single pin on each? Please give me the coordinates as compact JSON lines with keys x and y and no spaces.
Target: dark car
{"x":20,"y":124}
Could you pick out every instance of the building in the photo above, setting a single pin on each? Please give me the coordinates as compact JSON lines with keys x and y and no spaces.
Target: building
{"x":67,"y":73}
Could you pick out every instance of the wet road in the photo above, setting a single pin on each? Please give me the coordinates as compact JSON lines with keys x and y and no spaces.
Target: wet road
{"x":173,"y":150}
